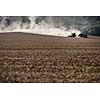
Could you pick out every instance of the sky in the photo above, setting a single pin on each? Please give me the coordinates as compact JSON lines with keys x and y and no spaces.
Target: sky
{"x":50,"y":25}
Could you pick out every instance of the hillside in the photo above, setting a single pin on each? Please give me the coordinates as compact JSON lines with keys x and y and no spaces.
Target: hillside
{"x":28,"y":57}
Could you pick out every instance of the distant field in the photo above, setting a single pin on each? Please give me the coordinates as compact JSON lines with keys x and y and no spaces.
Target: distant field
{"x":39,"y":58}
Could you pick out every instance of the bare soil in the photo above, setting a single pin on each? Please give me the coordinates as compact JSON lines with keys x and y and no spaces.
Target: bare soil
{"x":35,"y":58}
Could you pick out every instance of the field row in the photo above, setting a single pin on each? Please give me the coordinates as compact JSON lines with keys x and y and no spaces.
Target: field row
{"x":49,"y":65}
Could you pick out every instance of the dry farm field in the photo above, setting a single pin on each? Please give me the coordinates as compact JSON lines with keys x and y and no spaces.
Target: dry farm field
{"x":35,"y":58}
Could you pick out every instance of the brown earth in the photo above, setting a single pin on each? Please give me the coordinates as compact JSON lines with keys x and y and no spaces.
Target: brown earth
{"x":40,"y":58}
